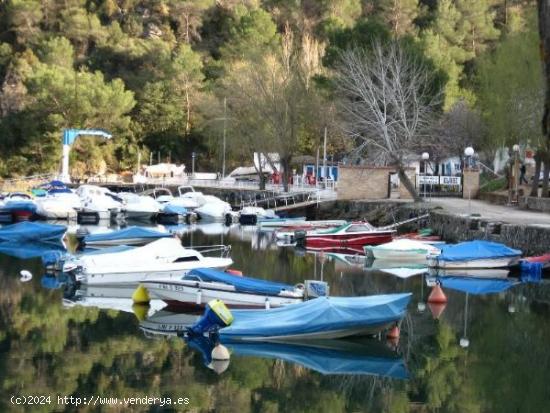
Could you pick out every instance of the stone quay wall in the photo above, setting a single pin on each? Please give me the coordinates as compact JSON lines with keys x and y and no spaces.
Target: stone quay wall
{"x":531,"y":239}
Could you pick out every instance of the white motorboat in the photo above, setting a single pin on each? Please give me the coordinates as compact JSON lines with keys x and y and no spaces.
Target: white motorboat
{"x":138,"y":207}
{"x":189,"y":199}
{"x":60,"y":202}
{"x":214,"y":209}
{"x":100,"y":201}
{"x":402,"y":250}
{"x":251,"y":215}
{"x":205,"y":284}
{"x":163,"y":259}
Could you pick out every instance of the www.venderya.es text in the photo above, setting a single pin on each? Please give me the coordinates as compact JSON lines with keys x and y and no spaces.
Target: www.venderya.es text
{"x":94,"y":400}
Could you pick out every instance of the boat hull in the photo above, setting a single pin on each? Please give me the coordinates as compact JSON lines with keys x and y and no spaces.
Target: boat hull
{"x":193,"y":293}
{"x":139,"y":275}
{"x":346,"y":240}
{"x":414,"y":255}
{"x":502,"y":262}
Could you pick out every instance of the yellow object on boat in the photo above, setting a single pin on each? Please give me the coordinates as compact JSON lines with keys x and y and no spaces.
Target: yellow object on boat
{"x":221,"y":310}
{"x":141,"y":295}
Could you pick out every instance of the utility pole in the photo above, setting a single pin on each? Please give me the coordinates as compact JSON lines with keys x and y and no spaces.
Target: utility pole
{"x":325,"y":160}
{"x":224,"y":122}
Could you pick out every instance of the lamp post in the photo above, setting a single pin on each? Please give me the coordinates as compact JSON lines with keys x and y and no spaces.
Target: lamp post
{"x":468,"y":153}
{"x":425,"y":158}
{"x":514,"y":172}
{"x":193,"y":156}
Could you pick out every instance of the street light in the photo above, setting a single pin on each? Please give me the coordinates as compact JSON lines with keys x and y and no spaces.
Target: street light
{"x":469,"y":153}
{"x":425,"y":158}
{"x":193,"y":156}
{"x":513,"y":184}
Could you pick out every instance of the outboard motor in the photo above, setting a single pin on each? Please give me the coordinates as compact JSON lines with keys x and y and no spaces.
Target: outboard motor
{"x":315,"y":289}
{"x":300,"y":237}
{"x":215,"y":317}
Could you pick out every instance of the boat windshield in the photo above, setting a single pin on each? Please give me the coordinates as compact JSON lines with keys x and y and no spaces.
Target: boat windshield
{"x":363,"y":227}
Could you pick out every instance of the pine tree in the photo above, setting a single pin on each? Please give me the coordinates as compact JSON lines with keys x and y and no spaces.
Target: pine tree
{"x":399,"y":15}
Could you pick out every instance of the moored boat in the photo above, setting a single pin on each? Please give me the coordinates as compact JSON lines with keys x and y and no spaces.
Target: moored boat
{"x":203,"y":285}
{"x":320,"y":318}
{"x":475,"y":254}
{"x":57,"y":201}
{"x":20,"y":205}
{"x":138,"y":207}
{"x":165,"y":258}
{"x":354,"y":234}
{"x":126,"y":236}
{"x":402,"y":250}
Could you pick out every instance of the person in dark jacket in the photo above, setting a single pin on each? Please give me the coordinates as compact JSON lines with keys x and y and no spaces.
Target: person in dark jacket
{"x":522,"y":171}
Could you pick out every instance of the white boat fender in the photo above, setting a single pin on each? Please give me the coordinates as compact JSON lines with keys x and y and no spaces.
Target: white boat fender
{"x":198,"y":301}
{"x":267,"y":303}
{"x":220,"y":352}
{"x":25,"y":276}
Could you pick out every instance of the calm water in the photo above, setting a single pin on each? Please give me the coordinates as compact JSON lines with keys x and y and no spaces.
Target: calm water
{"x":49,"y":346}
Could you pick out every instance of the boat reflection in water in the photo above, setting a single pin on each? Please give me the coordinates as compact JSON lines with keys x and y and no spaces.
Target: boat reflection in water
{"x":364,"y":356}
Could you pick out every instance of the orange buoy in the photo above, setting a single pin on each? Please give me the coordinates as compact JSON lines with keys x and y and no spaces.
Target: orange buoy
{"x":437,"y":309}
{"x":234,"y":272}
{"x":437,"y":296}
{"x":393,"y":333}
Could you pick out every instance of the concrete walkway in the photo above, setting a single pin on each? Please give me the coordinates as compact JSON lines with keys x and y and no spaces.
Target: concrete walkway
{"x":510,"y":215}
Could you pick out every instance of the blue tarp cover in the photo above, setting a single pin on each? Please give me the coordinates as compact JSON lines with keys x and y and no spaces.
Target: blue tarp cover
{"x":243,"y":284}
{"x":475,"y":250}
{"x":50,"y":253}
{"x":109,"y":250}
{"x":174,"y":209}
{"x":477,"y":286}
{"x":326,"y":360}
{"x":127,"y":233}
{"x":32,"y":232}
{"x":19,"y":206}
{"x":322,"y":314}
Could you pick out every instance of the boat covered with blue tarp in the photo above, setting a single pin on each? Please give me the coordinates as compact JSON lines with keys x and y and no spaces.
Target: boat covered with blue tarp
{"x":329,"y":357}
{"x":477,"y":286}
{"x":49,"y":253}
{"x":475,"y":254}
{"x":321,"y":318}
{"x":32,"y":232}
{"x":126,"y":236}
{"x":241,"y":283}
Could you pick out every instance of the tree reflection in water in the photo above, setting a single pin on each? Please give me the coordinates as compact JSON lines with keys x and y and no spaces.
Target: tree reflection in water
{"x":48,"y":349}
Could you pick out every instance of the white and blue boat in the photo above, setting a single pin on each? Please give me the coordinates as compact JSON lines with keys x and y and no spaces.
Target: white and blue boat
{"x":320,"y":318}
{"x":202,"y":285}
{"x":475,"y":254}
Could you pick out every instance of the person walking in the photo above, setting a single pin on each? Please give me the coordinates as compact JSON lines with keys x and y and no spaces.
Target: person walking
{"x":522,"y":171}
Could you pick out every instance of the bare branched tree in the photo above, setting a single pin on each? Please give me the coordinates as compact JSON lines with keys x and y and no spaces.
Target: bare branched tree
{"x":457,"y":129}
{"x":388,"y":103}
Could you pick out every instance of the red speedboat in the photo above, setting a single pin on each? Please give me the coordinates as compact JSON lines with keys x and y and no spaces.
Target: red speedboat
{"x":351,"y":235}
